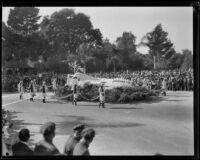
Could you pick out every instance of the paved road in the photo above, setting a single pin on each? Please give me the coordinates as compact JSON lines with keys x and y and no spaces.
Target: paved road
{"x":162,"y":126}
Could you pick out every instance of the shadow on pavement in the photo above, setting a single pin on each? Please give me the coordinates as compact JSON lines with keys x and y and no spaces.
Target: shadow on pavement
{"x":66,"y":126}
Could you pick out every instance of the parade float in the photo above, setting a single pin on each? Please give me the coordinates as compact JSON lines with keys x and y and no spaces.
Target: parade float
{"x":116,"y":90}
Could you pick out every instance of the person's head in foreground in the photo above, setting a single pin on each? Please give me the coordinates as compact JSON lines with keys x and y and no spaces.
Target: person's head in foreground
{"x":24,"y":135}
{"x":77,"y":130}
{"x":48,"y":131}
{"x":88,"y":135}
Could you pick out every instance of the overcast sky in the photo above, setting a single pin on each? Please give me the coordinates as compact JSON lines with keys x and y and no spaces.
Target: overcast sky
{"x":113,"y":21}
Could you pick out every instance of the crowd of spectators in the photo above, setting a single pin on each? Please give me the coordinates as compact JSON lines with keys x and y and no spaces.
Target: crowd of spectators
{"x":176,"y":80}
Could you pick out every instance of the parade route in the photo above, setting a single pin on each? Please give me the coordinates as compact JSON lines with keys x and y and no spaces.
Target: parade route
{"x":163,"y":125}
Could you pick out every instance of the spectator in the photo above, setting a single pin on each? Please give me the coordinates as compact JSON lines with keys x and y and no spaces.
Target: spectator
{"x":21,"y":148}
{"x":46,"y":146}
{"x":73,"y":139}
{"x":81,"y":148}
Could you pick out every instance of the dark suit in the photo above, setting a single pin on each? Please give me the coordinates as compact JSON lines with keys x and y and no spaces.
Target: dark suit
{"x":81,"y":149}
{"x":70,"y":144}
{"x":21,"y":149}
{"x":45,"y":148}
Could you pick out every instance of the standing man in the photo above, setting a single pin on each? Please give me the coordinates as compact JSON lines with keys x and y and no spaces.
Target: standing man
{"x":21,"y":148}
{"x":101,"y":96}
{"x":75,"y":94}
{"x":31,"y":87}
{"x":20,"y":89}
{"x":44,"y":90}
{"x":73,"y":139}
{"x":164,"y":87}
{"x":75,"y":91}
{"x":54,"y":85}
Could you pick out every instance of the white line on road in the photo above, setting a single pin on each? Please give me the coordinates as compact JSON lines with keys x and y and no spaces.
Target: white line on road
{"x":14,"y":102}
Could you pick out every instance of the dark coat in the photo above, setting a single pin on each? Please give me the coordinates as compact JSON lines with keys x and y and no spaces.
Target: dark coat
{"x":45,"y":148}
{"x":70,"y":144}
{"x":21,"y":149}
{"x":81,"y":149}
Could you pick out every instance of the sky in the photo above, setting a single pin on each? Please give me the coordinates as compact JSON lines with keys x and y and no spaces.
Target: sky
{"x":113,"y":21}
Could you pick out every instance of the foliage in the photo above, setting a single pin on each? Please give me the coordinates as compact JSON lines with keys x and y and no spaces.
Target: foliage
{"x":158,"y":44}
{"x":116,"y":95}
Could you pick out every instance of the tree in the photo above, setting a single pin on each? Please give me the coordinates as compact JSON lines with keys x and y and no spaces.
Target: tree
{"x":126,"y":47}
{"x":66,"y":31}
{"x":23,"y":33}
{"x":158,"y":43}
{"x":187,"y":59}
{"x":24,"y":20}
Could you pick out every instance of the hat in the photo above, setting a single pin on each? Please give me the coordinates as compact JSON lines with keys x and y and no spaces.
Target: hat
{"x":48,"y":128}
{"x":79,"y":127}
{"x":88,"y":133}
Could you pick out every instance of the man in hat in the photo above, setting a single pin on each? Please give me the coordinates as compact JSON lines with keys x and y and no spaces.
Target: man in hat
{"x":44,"y":90}
{"x":46,"y":146}
{"x":73,"y":139}
{"x":21,"y":148}
{"x":101,"y":95}
{"x":20,"y":89}
{"x":81,"y":148}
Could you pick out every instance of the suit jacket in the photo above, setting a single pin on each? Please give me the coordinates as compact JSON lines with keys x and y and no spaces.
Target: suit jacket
{"x":21,"y":149}
{"x":45,"y":148}
{"x":81,"y":149}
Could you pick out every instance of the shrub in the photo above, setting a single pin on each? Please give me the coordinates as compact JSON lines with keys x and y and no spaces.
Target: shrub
{"x":115,"y":95}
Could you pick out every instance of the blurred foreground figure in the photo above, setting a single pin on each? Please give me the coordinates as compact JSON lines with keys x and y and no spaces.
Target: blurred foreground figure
{"x":73,"y":139}
{"x":21,"y":148}
{"x":81,"y":148}
{"x":46,"y":147}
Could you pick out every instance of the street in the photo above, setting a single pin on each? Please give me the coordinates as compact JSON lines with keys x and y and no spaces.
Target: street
{"x":163,"y":125}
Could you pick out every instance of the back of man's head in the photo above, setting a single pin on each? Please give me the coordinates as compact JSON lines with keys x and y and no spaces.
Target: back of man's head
{"x":24,"y":135}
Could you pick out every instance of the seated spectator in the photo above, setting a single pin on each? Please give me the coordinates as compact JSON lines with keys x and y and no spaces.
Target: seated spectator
{"x":73,"y":139}
{"x":81,"y":148}
{"x":46,"y":146}
{"x":21,"y":148}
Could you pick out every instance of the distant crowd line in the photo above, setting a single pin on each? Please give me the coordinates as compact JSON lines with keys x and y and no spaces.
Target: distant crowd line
{"x":176,"y":80}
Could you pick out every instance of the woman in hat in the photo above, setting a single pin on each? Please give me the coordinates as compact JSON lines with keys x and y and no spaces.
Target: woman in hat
{"x":73,"y":139}
{"x":82,"y":147}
